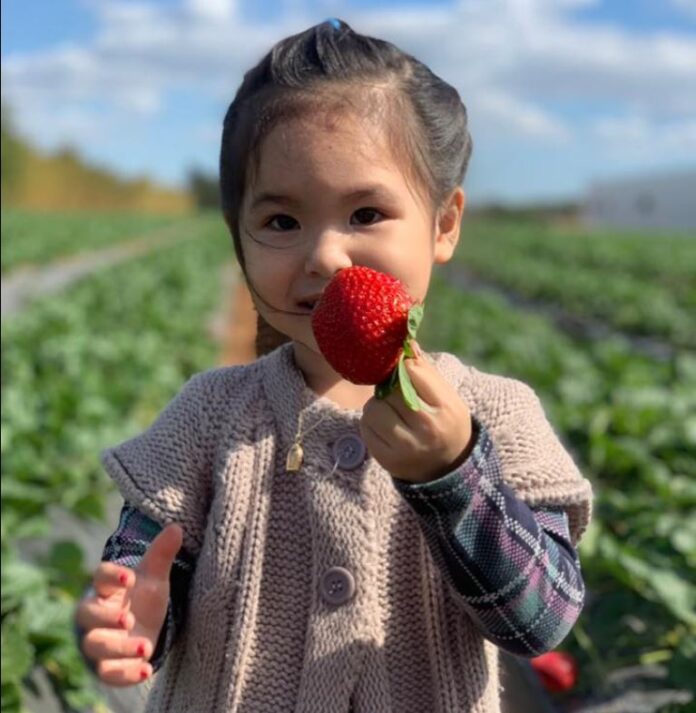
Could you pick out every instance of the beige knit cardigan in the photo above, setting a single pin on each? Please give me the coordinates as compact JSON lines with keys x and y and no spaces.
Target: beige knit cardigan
{"x":258,"y":637}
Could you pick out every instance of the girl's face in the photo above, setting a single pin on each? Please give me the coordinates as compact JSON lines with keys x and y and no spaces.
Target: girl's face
{"x":328,"y":194}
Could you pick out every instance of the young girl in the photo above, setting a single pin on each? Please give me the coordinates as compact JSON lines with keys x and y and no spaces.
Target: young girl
{"x":382,"y":569}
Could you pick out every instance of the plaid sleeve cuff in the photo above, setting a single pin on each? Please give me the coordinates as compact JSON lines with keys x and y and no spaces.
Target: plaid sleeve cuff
{"x":453,"y":492}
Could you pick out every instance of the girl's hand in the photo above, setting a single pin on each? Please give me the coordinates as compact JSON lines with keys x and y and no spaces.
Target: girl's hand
{"x":418,"y":446}
{"x":122,"y":620}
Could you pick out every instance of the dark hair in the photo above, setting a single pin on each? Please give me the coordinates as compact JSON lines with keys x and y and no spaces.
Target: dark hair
{"x":317,"y":69}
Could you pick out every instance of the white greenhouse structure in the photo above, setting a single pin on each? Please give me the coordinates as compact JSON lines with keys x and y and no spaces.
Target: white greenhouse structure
{"x":666,"y":200}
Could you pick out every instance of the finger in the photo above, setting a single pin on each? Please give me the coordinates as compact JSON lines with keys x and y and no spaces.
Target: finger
{"x":387,"y":410}
{"x":406,"y":415}
{"x":389,"y":418}
{"x":376,"y":445}
{"x":429,"y":384}
{"x":93,"y":613}
{"x":110,"y":577}
{"x":161,"y":554}
{"x":123,"y":672}
{"x":99,"y":644}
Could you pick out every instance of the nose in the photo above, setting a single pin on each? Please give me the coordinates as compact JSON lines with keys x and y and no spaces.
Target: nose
{"x":327,"y":254}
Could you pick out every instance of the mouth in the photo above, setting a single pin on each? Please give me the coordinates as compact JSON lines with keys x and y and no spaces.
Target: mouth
{"x":308,"y":304}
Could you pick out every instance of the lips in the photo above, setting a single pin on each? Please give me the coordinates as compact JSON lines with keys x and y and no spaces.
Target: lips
{"x":309,"y":302}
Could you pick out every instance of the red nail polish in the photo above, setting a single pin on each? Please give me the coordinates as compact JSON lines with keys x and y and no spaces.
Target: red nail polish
{"x":123,"y":579}
{"x":141,"y":650}
{"x":143,"y":674}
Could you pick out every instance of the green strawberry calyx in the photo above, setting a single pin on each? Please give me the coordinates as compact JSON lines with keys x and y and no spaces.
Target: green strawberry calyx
{"x":399,"y":375}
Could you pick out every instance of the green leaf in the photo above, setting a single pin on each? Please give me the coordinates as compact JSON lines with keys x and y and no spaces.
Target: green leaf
{"x":681,"y":668}
{"x":588,"y":544}
{"x":20,"y":580}
{"x":384,"y":388}
{"x":66,"y":556}
{"x":415,"y":315}
{"x":17,"y":653}
{"x":407,"y":389}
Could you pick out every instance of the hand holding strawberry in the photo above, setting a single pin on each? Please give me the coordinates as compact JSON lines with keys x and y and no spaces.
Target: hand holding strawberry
{"x":419,"y":446}
{"x":416,"y":426}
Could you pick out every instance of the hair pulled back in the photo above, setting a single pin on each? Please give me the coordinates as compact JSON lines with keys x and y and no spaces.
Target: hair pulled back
{"x":305,"y":73}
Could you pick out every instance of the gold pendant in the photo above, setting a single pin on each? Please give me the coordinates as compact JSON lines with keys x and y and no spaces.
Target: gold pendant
{"x":294,"y":459}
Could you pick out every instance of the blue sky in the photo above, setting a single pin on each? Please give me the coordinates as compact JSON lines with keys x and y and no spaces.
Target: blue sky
{"x":560,"y":93}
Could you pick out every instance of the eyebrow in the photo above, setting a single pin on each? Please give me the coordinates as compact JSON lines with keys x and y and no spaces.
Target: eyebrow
{"x":375,"y":191}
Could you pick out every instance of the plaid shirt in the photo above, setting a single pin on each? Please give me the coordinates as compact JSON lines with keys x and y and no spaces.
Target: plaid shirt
{"x":513,"y":566}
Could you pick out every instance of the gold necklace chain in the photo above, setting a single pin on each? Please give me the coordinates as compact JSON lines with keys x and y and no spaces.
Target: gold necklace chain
{"x":293,"y":462}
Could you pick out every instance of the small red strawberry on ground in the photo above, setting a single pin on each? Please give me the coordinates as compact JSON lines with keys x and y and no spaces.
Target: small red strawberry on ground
{"x":363,"y":324}
{"x":557,"y":670}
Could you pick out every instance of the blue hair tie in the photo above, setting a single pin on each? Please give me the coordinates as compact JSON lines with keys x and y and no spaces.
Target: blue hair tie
{"x":336,"y":24}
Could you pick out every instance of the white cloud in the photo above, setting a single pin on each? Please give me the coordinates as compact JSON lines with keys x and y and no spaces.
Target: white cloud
{"x":506,"y":113}
{"x":638,"y":135}
{"x":212,"y":9}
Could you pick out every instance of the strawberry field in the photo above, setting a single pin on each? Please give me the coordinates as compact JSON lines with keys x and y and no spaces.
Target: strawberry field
{"x":629,"y":421}
{"x":40,"y":238}
{"x":94,"y":364}
{"x":80,"y":371}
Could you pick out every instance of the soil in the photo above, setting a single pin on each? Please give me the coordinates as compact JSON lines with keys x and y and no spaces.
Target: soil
{"x":583,"y":328}
{"x":28,"y":282}
{"x":238,"y":346}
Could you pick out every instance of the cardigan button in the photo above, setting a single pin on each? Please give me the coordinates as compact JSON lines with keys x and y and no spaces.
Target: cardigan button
{"x":349,"y":452}
{"x":337,"y":585}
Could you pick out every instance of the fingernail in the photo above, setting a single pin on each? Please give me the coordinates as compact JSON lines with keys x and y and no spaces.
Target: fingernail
{"x":123,"y":620}
{"x":416,"y":348}
{"x":123,"y":579}
{"x":141,"y":650}
{"x":144,"y":673}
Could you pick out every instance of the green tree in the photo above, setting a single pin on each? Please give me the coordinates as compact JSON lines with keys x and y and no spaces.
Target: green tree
{"x":204,"y":188}
{"x":13,"y":154}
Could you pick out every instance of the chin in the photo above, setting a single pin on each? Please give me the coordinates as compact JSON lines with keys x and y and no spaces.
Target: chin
{"x":307,"y":345}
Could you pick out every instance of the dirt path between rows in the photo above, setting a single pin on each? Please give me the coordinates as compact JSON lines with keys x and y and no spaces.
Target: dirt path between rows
{"x":234,"y":325}
{"x":582,"y":328}
{"x":28,"y":282}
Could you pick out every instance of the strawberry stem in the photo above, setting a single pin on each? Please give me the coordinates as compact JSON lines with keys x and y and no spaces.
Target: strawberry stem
{"x":407,"y":388}
{"x":415,"y":316}
{"x":399,"y":374}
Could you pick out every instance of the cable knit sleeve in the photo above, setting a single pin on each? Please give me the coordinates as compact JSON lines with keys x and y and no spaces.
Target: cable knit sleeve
{"x":533,"y":460}
{"x":165,"y":472}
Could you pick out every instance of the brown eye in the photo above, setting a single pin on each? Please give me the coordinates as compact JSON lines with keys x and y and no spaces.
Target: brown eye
{"x":367,"y":216}
{"x":283,"y":223}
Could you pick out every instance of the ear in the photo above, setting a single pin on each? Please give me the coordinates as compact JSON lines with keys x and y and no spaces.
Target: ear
{"x":448,"y":224}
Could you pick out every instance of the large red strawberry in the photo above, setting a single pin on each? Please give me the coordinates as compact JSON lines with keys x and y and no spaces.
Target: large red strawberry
{"x":363,"y":324}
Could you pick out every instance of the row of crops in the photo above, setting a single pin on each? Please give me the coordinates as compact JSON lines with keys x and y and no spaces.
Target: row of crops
{"x":95,"y":365}
{"x":639,"y":284}
{"x":80,"y":372}
{"x":38,"y":238}
{"x":629,"y":421}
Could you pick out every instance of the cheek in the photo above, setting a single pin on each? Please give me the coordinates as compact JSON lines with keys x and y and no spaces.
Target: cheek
{"x":412,"y":265}
{"x":269,"y":271}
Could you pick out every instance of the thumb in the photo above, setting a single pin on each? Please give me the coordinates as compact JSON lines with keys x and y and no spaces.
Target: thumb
{"x":159,"y":557}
